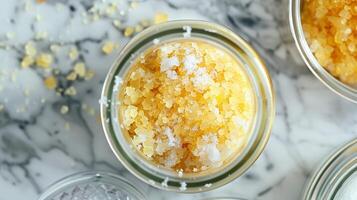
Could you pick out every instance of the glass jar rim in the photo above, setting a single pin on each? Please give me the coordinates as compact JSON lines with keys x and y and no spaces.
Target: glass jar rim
{"x":346,"y":91}
{"x":90,"y":176}
{"x":225,"y":198}
{"x":267,"y":100}
{"x":330,"y":176}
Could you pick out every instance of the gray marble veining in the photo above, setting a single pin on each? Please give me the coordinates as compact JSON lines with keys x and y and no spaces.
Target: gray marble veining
{"x":39,"y":145}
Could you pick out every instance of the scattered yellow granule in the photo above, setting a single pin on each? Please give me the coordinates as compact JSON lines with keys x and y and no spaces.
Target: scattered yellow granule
{"x":44,"y":60}
{"x":331,"y":30}
{"x":73,"y":53}
{"x":160,"y":18}
{"x":55,"y":48}
{"x":187,"y":105}
{"x":71,"y":91}
{"x":30,"y":52}
{"x":72,"y":76}
{"x":89,"y":74}
{"x":108,"y":47}
{"x":27,"y":61}
{"x":117,"y":23}
{"x":80,"y":69}
{"x":138,"y":28}
{"x":64,"y":109}
{"x":51,"y":82}
{"x":128,"y":31}
{"x":30,"y":49}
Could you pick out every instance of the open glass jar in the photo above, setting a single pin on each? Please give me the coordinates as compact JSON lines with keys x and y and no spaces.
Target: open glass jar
{"x":340,"y":88}
{"x":337,"y":177}
{"x":92,"y":185}
{"x":259,"y":132}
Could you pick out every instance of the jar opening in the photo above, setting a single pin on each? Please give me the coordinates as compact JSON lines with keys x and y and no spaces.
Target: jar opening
{"x":295,"y":19}
{"x":166,"y":179}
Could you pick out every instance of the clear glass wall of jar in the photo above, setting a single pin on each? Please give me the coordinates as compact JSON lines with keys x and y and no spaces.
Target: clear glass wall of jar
{"x":320,"y":72}
{"x":260,"y":132}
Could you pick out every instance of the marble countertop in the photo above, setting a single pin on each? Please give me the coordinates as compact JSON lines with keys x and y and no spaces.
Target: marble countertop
{"x":40,"y":142}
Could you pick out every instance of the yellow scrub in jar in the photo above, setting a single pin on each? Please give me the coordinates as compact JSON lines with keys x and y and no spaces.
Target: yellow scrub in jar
{"x":187,"y":105}
{"x":330,"y":30}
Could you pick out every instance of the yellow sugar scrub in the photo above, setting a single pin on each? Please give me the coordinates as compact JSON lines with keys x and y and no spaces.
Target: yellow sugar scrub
{"x":331,"y":31}
{"x":187,"y":105}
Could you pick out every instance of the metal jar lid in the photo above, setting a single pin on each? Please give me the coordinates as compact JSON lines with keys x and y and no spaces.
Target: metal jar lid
{"x":92,"y":185}
{"x":331,"y":177}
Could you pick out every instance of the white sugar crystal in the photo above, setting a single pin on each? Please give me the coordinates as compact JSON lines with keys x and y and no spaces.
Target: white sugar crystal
{"x":180,"y":173}
{"x":169,"y":63}
{"x":202,"y":78}
{"x":142,"y":138}
{"x":167,"y":49}
{"x":171,"y":138}
{"x":208,"y":185}
{"x":215,"y":110}
{"x":213,"y":153}
{"x":315,"y":45}
{"x":164,"y":183}
{"x":183,"y":186}
{"x":156,"y":41}
{"x":171,"y":74}
{"x":207,"y":149}
{"x":103,"y":101}
{"x":161,"y":147}
{"x":187,"y":32}
{"x":190,"y":63}
{"x":141,"y":72}
{"x":241,"y":122}
{"x":171,"y":160}
{"x":139,"y":139}
{"x":117,"y":82}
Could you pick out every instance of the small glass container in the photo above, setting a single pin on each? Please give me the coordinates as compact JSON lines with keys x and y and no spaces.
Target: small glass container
{"x":160,"y":177}
{"x":225,"y":198}
{"x":332,"y":178}
{"x":320,"y":72}
{"x":92,"y":185}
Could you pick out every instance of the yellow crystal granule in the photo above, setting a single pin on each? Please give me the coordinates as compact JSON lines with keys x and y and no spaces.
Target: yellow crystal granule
{"x":331,"y":30}
{"x":187,"y":105}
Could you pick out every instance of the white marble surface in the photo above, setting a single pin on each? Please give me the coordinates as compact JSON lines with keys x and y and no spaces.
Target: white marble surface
{"x":39,"y":145}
